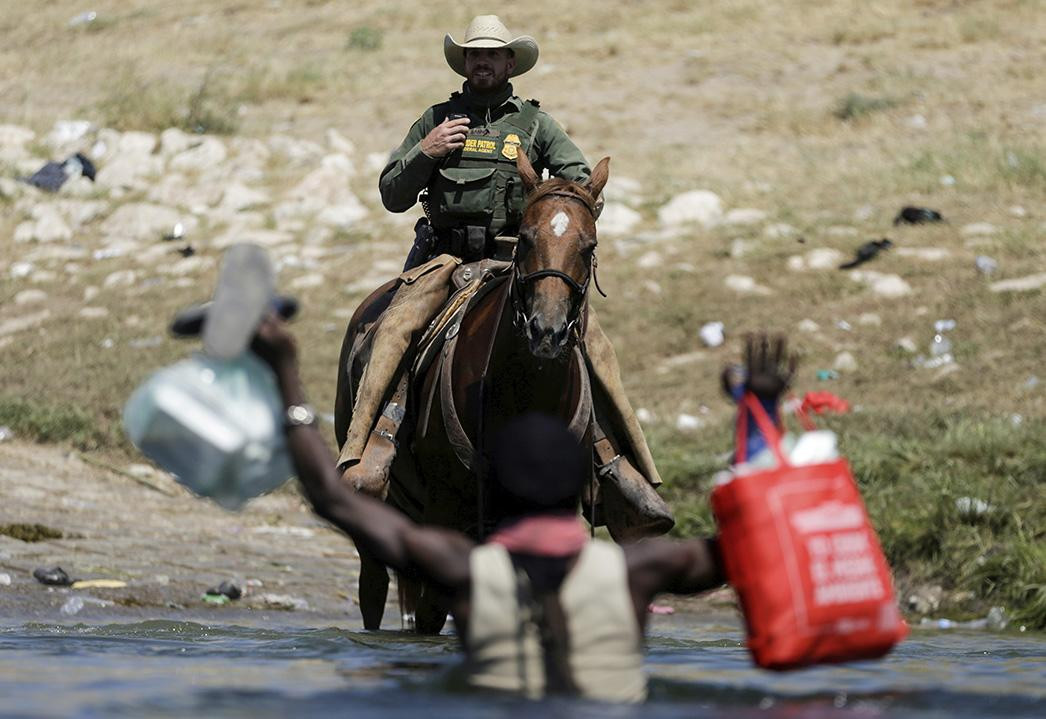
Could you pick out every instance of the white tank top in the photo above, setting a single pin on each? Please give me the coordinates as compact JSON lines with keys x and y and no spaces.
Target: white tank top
{"x":503,"y":643}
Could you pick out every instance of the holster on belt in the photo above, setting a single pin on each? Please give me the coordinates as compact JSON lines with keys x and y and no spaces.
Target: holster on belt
{"x":424,"y":246}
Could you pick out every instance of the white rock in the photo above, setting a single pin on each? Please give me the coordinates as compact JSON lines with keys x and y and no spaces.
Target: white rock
{"x":265,"y":238}
{"x":947,"y":180}
{"x":29,"y":297}
{"x":796,"y":263}
{"x":79,"y":212}
{"x":869,"y":319}
{"x":79,"y":186}
{"x":239,"y":197}
{"x":93,"y":313}
{"x":48,"y":226}
{"x":339,"y":162}
{"x":978,"y":229}
{"x":652,"y":287}
{"x":697,"y":206}
{"x":823,"y":258}
{"x":15,"y":136}
{"x":65,"y":132}
{"x":18,"y":270}
{"x":739,"y":248}
{"x":779,"y":231}
{"x":376,"y":161}
{"x":140,"y":221}
{"x":208,"y":153}
{"x":844,"y":362}
{"x":136,"y":143}
{"x":917,"y":122}
{"x":864,"y":213}
{"x":808,"y":325}
{"x":931,"y":254}
{"x":623,"y":190}
{"x":1020,"y":284}
{"x":650,"y":260}
{"x":343,"y":215}
{"x":177,"y":190}
{"x":10,"y":188}
{"x":23,"y":322}
{"x":120,"y":278}
{"x":744,"y":216}
{"x":744,"y":285}
{"x":174,"y":141}
{"x":1018,"y":211}
{"x":711,"y":333}
{"x":617,"y":219}
{"x":194,"y":265}
{"x":884,"y":285}
{"x":688,"y":423}
{"x":308,"y":281}
{"x":129,"y":172}
{"x":339,"y":143}
{"x":90,"y":292}
{"x":5,"y":579}
{"x":908,"y":345}
{"x":295,"y":150}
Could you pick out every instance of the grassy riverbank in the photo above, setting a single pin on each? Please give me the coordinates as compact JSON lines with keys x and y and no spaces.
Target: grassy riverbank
{"x":815,"y":121}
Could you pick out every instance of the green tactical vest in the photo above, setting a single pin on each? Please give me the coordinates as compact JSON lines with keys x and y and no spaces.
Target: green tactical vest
{"x":479,"y":184}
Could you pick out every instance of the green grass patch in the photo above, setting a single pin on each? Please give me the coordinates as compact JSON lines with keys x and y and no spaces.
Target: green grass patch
{"x":855,"y":106}
{"x":364,"y":38}
{"x":50,"y":423}
{"x":957,"y":501}
{"x":135,"y":103}
{"x":30,"y":532}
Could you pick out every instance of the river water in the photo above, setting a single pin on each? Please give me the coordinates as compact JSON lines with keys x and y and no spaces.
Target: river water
{"x":271,"y":667}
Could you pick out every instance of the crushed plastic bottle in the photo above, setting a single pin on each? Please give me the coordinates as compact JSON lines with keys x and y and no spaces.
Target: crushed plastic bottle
{"x":216,"y":425}
{"x":986,"y":265}
{"x":72,"y":606}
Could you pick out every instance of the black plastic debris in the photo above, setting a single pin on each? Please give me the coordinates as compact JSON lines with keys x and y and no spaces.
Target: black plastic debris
{"x":911,"y":215}
{"x":53,"y":175}
{"x":186,"y":251}
{"x":226,"y":589}
{"x":866,"y":252}
{"x":52,"y":576}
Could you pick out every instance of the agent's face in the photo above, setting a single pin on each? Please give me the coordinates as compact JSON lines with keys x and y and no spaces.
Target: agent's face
{"x":488,"y":69}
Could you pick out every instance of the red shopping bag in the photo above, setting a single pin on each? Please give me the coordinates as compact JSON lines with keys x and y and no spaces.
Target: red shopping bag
{"x":801,"y":553}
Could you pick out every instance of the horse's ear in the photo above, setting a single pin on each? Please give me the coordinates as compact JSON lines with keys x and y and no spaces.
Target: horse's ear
{"x":526,"y":172}
{"x":599,"y":177}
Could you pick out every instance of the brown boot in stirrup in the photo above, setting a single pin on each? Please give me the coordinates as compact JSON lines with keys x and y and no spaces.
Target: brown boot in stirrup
{"x":370,"y":474}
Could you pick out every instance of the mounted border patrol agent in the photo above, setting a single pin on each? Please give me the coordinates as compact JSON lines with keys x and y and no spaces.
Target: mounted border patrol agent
{"x":460,"y":156}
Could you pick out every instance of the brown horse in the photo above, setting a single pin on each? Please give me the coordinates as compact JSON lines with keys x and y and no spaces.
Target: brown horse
{"x":517,"y":349}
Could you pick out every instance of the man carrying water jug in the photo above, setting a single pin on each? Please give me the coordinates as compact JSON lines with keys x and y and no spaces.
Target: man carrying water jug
{"x":460,"y":157}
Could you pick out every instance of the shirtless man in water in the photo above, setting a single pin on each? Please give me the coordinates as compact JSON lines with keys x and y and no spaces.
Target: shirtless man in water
{"x":539,"y":608}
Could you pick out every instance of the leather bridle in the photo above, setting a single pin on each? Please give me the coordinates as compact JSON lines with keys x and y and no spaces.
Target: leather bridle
{"x":578,"y":289}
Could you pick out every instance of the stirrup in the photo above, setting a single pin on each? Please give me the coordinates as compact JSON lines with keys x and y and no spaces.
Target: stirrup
{"x":371,"y":474}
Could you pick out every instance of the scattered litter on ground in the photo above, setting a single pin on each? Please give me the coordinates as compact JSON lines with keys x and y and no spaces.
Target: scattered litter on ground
{"x":947,"y":180}
{"x":6,"y":433}
{"x":84,"y":18}
{"x":996,"y":620}
{"x":218,"y":599}
{"x":53,"y":175}
{"x":660,"y":609}
{"x":910,"y":215}
{"x":73,"y":605}
{"x":940,"y":347}
{"x":986,"y":265}
{"x":187,"y":251}
{"x":972,"y":507}
{"x":844,"y":325}
{"x":98,"y":584}
{"x":866,"y":252}
{"x":177,"y":232}
{"x":711,"y":334}
{"x":5,"y":579}
{"x":226,"y":589}
{"x":52,"y":576}
{"x":824,"y":375}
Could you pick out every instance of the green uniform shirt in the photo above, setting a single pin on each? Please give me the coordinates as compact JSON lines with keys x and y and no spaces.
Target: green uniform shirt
{"x":479,"y":185}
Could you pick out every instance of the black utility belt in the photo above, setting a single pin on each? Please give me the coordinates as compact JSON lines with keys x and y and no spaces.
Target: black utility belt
{"x":473,"y":242}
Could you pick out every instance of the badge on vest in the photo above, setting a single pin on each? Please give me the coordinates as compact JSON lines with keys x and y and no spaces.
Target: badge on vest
{"x":511,"y":147}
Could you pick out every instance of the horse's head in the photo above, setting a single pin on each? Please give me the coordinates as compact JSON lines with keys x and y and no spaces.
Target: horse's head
{"x":555,"y":256}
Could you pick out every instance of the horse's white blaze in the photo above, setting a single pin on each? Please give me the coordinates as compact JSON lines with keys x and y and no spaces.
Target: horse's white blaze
{"x":560,"y":223}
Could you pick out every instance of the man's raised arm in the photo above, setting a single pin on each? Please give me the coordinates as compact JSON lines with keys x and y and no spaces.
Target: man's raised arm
{"x":439,"y":555}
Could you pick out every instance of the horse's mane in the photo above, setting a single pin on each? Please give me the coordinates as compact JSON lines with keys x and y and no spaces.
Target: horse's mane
{"x":559,"y":185}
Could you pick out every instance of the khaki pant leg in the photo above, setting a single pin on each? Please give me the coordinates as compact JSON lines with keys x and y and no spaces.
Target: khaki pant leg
{"x":415,"y":303}
{"x":623,"y":423}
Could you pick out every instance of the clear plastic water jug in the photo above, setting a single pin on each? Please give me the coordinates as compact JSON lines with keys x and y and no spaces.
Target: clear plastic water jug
{"x":216,"y":425}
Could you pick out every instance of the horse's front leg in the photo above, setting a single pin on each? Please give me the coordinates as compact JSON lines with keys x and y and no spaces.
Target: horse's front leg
{"x":374,"y":590}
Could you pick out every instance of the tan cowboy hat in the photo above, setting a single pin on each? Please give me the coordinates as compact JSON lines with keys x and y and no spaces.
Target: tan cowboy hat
{"x":489,"y":31}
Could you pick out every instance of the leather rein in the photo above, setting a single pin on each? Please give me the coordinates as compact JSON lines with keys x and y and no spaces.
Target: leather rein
{"x":580,"y":289}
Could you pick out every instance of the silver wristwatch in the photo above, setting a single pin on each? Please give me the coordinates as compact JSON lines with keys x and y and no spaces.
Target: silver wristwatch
{"x":299,"y":415}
